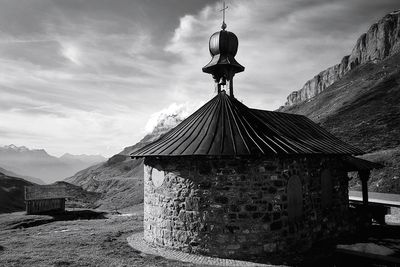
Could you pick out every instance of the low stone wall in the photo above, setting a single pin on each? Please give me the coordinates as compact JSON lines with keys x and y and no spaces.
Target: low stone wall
{"x":238,"y":208}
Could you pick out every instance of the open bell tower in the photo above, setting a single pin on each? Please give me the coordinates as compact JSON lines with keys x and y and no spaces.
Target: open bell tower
{"x":223,"y":66}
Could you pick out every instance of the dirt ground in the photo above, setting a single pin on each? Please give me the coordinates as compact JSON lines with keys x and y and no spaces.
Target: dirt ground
{"x":27,"y":240}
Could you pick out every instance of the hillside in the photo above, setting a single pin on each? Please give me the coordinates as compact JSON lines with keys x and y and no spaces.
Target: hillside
{"x":38,"y":163}
{"x":383,"y":180}
{"x":78,"y":197}
{"x":120,"y":178}
{"x":362,"y":108}
{"x":27,"y":178}
{"x":12,"y":193}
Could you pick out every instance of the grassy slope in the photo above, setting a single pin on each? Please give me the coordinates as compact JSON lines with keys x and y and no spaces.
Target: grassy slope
{"x":118,"y":180}
{"x":78,"y":197}
{"x":386,"y":179}
{"x":100,"y":242}
{"x":363,"y":109}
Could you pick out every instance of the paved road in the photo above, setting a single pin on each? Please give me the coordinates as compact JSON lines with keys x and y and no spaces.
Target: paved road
{"x":373,"y":197}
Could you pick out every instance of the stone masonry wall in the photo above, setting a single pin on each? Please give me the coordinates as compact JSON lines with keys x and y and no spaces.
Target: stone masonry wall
{"x":238,"y":208}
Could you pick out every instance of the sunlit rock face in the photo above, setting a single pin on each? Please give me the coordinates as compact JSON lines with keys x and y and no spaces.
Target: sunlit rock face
{"x":381,"y":41}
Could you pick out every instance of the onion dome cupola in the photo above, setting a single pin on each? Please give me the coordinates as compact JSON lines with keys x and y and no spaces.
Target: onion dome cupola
{"x":223,"y":65}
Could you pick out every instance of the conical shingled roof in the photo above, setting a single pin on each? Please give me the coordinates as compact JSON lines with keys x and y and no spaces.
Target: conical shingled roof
{"x":226,"y":127}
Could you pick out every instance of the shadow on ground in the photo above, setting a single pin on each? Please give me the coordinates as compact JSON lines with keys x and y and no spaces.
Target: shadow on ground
{"x":382,"y":235}
{"x":44,"y":218}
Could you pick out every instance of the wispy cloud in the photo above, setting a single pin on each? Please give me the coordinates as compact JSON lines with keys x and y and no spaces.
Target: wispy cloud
{"x":72,"y":52}
{"x":171,"y":115}
{"x":92,"y":77}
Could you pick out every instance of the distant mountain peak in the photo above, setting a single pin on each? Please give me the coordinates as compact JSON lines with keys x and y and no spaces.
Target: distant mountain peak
{"x":16,"y":148}
{"x":38,"y":163}
{"x":23,"y":149}
{"x":12,"y":146}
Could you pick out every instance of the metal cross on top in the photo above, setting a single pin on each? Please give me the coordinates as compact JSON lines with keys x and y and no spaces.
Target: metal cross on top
{"x":223,"y":16}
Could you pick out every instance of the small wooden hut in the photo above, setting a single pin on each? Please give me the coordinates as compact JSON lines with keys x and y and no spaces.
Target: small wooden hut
{"x":45,"y":198}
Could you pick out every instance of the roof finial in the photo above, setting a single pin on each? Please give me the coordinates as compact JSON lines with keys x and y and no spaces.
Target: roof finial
{"x":223,"y":27}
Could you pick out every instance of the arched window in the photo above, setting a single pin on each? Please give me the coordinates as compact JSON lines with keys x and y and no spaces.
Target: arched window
{"x":326,"y":189}
{"x":295,"y":198}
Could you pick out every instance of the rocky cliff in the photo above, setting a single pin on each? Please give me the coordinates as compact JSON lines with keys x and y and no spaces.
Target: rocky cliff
{"x":362,"y":108}
{"x":381,"y":40}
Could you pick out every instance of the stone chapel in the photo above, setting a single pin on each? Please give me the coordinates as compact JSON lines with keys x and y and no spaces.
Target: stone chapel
{"x":235,"y":182}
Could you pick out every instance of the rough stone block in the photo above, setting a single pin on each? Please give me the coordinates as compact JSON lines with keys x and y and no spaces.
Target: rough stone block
{"x":251,"y":208}
{"x":266,"y":217}
{"x":243,"y":215}
{"x":271,"y":247}
{"x":276,"y":225}
{"x":192,"y":203}
{"x":233,"y":247}
{"x":221,"y":199}
{"x":257,"y":215}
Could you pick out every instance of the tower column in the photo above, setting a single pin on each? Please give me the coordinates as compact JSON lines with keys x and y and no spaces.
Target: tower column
{"x":231,"y":87}
{"x":364,"y":177}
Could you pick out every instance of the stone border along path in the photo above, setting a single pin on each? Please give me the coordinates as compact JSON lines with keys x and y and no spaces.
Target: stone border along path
{"x":137,"y":242}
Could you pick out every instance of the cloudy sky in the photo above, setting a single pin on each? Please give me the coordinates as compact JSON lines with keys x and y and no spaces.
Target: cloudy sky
{"x":93,"y":76}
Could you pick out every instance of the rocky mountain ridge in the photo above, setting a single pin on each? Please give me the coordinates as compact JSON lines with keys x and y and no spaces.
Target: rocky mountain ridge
{"x":379,"y":42}
{"x":38,"y":163}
